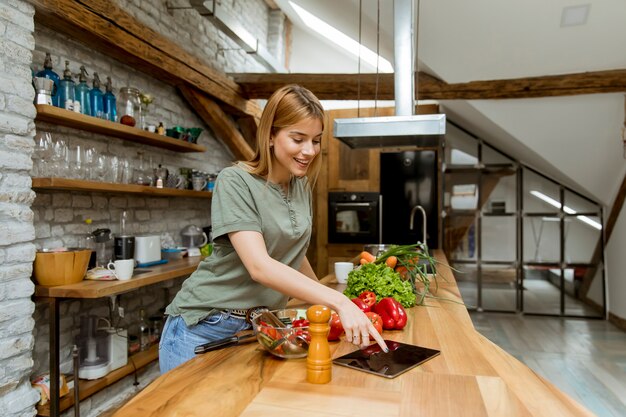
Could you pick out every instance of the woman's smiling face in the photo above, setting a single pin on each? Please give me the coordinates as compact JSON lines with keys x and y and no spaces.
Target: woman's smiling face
{"x":295,"y":147}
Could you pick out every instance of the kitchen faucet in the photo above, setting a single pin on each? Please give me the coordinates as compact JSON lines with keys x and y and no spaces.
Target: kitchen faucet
{"x":413,"y":210}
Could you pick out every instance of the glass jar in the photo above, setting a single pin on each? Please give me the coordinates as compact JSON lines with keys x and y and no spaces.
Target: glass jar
{"x":129,"y":106}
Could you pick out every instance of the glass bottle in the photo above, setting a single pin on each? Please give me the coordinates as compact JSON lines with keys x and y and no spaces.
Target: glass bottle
{"x":144,"y":331}
{"x":129,"y":106}
{"x":140,"y":177}
{"x":48,"y":73}
{"x":66,"y":89}
{"x":108,"y":101}
{"x":81,"y":92}
{"x":96,"y":99}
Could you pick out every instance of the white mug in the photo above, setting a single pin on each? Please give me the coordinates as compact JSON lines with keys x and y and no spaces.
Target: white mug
{"x":122,"y":268}
{"x":342,"y":269}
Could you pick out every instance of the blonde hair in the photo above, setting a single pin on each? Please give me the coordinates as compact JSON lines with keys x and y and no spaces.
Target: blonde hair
{"x":286,"y":107}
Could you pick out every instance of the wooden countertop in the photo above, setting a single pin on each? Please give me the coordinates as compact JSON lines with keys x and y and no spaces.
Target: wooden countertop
{"x":143,"y":276}
{"x":471,"y":376}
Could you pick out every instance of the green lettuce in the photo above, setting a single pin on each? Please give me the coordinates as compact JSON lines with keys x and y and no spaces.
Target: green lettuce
{"x":381,"y":280}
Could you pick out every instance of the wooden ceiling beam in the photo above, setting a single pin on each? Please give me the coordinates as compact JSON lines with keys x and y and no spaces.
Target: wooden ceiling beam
{"x":372,"y":86}
{"x":224,"y":128}
{"x":107,"y":28}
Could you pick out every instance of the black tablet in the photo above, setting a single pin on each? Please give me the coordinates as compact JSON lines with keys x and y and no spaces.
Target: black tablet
{"x":400,"y":358}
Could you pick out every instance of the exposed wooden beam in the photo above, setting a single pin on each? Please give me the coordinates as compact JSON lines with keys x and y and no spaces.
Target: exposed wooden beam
{"x":615,"y":211}
{"x":608,"y":231}
{"x":248,"y":127}
{"x":221,"y":123}
{"x":109,"y":29}
{"x":372,"y":86}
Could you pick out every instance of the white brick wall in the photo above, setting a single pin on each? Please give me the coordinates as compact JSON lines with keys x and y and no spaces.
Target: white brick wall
{"x":28,"y":221}
{"x":16,"y":218}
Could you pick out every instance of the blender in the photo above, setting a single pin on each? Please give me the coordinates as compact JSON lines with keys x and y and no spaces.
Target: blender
{"x":193,"y":238}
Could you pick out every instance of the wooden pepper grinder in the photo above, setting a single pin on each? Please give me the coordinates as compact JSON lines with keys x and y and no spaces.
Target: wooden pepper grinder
{"x":318,"y":362}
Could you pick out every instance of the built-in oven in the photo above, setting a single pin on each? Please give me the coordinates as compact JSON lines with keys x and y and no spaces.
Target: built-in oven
{"x":353,"y":217}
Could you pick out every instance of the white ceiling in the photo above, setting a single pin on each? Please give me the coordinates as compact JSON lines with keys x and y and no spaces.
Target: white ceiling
{"x":574,"y":139}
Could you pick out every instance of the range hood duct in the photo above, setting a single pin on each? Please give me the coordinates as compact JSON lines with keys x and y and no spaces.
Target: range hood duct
{"x":405,"y":128}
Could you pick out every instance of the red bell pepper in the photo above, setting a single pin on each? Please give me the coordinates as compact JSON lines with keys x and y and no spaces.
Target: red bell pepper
{"x":393,"y":314}
{"x":362,"y":305}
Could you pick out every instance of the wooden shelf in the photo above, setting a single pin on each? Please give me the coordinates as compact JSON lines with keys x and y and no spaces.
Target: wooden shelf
{"x":97,"y":289}
{"x":90,"y":387}
{"x":68,"y":184}
{"x":56,"y":115}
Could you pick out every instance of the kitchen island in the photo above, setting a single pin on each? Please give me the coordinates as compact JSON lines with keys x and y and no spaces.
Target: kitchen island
{"x":471,"y":377}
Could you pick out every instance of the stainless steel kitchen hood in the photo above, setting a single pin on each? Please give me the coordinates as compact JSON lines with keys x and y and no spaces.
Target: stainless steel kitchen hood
{"x":405,"y":128}
{"x":376,"y":132}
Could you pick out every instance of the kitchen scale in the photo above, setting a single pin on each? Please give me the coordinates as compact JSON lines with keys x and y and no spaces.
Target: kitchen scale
{"x":400,"y":358}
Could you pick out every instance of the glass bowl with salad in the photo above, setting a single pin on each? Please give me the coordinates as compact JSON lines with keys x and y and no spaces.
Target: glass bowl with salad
{"x":288,"y":339}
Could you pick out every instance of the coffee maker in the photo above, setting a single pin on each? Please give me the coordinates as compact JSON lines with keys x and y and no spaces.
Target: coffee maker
{"x":124,"y":242}
{"x":45,"y":89}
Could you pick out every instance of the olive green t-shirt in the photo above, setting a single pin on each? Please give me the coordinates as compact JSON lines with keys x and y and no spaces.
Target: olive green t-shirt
{"x":243,"y":201}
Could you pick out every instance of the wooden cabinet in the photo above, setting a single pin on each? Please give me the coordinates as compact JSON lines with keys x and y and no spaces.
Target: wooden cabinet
{"x":345,"y":169}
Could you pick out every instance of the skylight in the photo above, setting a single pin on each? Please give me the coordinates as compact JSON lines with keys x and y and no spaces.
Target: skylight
{"x":566,"y":209}
{"x":342,"y":40}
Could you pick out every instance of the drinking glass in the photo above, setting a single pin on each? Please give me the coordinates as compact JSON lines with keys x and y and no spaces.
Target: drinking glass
{"x":41,"y":154}
{"x":58,"y":158}
{"x":91,"y":155}
{"x":77,"y":162}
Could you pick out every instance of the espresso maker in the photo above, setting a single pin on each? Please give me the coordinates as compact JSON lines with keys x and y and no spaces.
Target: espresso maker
{"x":45,"y":89}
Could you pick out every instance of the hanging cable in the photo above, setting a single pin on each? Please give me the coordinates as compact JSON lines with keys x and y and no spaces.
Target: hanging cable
{"x":377,"y":56}
{"x":358,"y":77}
{"x":416,"y":77}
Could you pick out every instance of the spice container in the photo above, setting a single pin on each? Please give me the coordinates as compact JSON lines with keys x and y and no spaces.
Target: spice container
{"x":129,"y":106}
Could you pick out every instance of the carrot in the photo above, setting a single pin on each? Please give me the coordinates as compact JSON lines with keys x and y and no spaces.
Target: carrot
{"x":368,"y":257}
{"x":363,"y":261}
{"x":391,"y":262}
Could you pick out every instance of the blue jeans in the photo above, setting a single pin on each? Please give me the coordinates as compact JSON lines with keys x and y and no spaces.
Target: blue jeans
{"x":179,"y":340}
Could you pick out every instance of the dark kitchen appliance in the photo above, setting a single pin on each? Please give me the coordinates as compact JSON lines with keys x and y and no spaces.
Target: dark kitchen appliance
{"x":400,"y":358}
{"x":353,"y":217}
{"x":409,"y":189}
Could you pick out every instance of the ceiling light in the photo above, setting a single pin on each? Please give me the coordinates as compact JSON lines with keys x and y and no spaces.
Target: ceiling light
{"x":575,"y":15}
{"x":342,"y":40}
{"x":566,"y":209}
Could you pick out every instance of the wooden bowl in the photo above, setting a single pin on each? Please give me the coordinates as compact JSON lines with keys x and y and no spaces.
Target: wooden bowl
{"x":61,"y":268}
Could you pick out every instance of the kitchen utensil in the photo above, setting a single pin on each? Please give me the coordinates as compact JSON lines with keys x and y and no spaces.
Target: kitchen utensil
{"x":281,"y":339}
{"x":45,"y":89}
{"x":124,"y":247}
{"x":400,"y":358}
{"x":103,"y":236}
{"x":102,"y":349}
{"x":342,"y":269}
{"x":61,"y":268}
{"x":193,"y":238}
{"x":122,"y":269}
{"x":147,"y":249}
{"x":237,"y":339}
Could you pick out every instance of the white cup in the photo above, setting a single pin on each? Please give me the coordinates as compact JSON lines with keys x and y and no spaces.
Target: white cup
{"x":122,"y":268}
{"x":341,"y":271}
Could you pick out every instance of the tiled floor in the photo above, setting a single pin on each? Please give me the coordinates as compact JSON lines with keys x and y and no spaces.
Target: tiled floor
{"x":584,"y":358}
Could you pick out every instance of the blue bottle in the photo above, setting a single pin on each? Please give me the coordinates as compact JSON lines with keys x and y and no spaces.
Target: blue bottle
{"x":48,"y":73}
{"x":81,"y":91}
{"x":110,"y":112}
{"x":66,"y":89}
{"x":95,"y":98}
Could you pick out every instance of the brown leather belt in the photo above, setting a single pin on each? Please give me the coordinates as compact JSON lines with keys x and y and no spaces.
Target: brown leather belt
{"x":244,"y":314}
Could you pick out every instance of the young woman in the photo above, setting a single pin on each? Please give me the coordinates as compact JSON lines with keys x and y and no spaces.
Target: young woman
{"x":261,"y":216}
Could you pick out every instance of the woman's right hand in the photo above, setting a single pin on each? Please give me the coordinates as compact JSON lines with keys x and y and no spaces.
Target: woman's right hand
{"x":358,"y":326}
